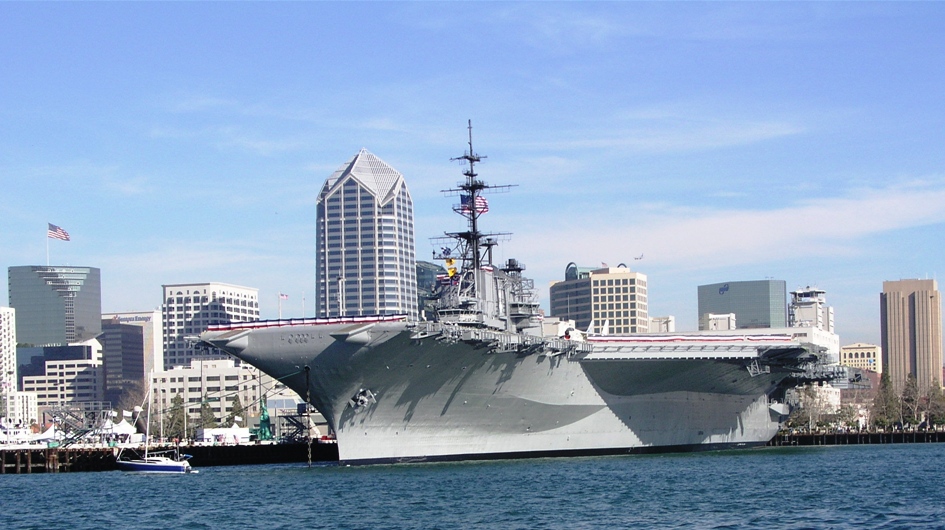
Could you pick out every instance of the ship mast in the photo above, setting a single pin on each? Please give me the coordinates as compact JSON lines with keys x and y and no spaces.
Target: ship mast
{"x":476,"y":247}
{"x":472,"y":188}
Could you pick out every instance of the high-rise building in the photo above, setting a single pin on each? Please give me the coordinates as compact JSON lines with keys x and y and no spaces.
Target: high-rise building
{"x":609,"y":299}
{"x":55,"y":305}
{"x":911,"y":330}
{"x":571,"y":299}
{"x":756,"y":304}
{"x":123,"y":358}
{"x":365,"y":263}
{"x":7,"y":357}
{"x":7,"y":349}
{"x":152,"y":347}
{"x":190,"y":308}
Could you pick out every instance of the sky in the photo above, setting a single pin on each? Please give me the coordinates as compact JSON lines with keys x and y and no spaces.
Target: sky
{"x":188,"y":142}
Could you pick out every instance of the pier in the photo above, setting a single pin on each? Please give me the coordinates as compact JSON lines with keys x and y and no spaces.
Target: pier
{"x":72,"y":459}
{"x":55,"y":460}
{"x":856,"y":438}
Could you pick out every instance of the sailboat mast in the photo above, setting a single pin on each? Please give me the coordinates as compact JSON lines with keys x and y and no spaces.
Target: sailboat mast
{"x":147,"y":423}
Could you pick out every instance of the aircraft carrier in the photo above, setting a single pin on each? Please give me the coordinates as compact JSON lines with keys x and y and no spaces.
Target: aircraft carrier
{"x":482,"y":380}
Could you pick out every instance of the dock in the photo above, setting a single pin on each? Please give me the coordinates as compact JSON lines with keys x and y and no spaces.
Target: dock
{"x":72,"y":459}
{"x":856,"y":438}
{"x":55,"y":460}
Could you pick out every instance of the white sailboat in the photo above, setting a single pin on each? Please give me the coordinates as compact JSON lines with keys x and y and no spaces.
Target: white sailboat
{"x":164,"y":461}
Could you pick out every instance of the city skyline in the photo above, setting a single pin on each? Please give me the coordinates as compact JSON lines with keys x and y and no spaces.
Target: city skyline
{"x":721,"y":141}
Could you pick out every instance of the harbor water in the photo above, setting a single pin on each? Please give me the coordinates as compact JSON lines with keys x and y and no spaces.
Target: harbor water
{"x":875,"y":486}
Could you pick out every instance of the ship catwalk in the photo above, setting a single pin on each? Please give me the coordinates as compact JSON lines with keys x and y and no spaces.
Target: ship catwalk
{"x":481,"y":379}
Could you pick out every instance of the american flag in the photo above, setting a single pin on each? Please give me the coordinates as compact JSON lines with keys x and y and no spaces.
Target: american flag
{"x":283,"y":296}
{"x":54,"y":232}
{"x":482,"y":205}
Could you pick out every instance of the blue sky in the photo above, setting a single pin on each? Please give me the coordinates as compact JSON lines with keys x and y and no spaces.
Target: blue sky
{"x":187,"y":142}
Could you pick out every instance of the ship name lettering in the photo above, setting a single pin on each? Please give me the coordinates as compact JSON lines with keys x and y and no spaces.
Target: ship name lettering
{"x":297,"y":338}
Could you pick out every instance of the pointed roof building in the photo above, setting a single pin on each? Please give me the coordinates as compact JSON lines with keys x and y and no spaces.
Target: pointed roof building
{"x":366,"y":257}
{"x":372,"y":172}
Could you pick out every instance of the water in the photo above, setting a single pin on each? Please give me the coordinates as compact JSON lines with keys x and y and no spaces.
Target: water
{"x":878,"y":486}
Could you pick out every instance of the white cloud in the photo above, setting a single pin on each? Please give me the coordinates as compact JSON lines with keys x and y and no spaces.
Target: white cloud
{"x":695,"y":239}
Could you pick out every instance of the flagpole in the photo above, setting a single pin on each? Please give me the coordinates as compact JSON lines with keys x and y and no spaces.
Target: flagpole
{"x":280,"y":306}
{"x":303,"y":304}
{"x":47,"y":248}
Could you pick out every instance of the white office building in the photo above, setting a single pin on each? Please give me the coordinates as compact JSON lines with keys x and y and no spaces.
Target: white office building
{"x":7,"y":349}
{"x":70,"y":380}
{"x":22,"y":409}
{"x":16,"y":408}
{"x":608,"y":300}
{"x":217,"y":381}
{"x":189,"y":309}
{"x":366,"y":258}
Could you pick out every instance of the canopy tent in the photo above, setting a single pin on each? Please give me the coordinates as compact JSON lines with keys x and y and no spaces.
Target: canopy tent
{"x":50,"y":434}
{"x":225,"y":435}
{"x":123,"y":427}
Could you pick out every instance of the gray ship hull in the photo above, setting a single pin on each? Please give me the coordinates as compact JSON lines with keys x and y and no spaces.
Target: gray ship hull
{"x":393,"y":392}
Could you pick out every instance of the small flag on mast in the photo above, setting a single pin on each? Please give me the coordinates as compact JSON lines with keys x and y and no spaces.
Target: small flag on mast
{"x":482,"y":205}
{"x":283,"y":296}
{"x":55,"y":232}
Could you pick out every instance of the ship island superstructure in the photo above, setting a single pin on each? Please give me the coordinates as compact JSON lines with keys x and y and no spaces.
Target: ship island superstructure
{"x":480,"y":380}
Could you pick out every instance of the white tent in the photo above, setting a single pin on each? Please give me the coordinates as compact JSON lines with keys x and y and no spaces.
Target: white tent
{"x":51,"y":434}
{"x":224,"y":435}
{"x":123,"y":427}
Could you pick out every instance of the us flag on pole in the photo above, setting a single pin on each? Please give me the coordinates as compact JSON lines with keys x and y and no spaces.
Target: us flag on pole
{"x":56,"y":232}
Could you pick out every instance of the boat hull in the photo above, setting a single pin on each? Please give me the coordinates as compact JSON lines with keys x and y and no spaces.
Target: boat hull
{"x":145,"y":466}
{"x":391,"y":394}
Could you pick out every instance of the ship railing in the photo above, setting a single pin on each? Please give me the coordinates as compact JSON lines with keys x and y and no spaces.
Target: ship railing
{"x":263,"y":324}
{"x":719,"y":339}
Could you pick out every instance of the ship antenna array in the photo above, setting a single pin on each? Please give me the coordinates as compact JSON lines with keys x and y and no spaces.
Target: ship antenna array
{"x":471,"y":207}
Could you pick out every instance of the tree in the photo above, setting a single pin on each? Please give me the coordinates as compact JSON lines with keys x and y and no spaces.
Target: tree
{"x":132,"y":395}
{"x":847,"y":416}
{"x":207,"y":419}
{"x":235,"y":410}
{"x":885,"y":410}
{"x":810,"y":408}
{"x":910,"y":402}
{"x":935,"y":406}
{"x":174,"y":419}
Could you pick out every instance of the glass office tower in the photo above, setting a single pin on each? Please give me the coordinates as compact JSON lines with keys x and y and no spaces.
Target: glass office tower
{"x":55,"y":305}
{"x":756,"y":304}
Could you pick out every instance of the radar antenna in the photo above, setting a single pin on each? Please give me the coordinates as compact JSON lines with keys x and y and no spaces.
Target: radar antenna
{"x":476,"y":247}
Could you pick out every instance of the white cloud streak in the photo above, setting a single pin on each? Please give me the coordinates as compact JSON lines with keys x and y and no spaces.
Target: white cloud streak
{"x":697,"y":239}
